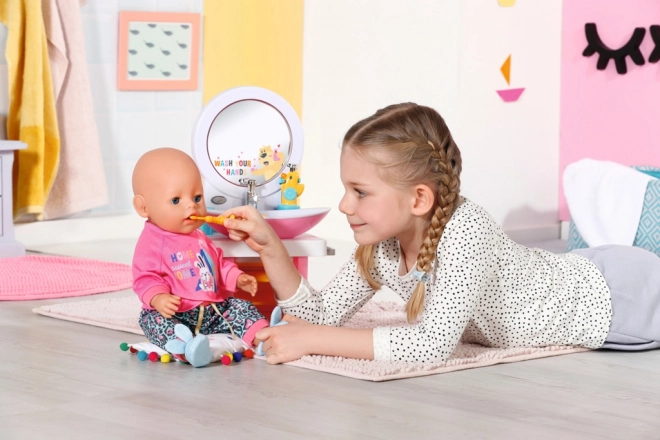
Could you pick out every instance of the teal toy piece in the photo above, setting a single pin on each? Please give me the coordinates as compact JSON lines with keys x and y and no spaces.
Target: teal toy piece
{"x":275,"y":320}
{"x":290,"y":195}
{"x":206,"y":229}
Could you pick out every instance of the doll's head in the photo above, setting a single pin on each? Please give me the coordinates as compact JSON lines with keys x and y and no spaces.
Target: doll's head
{"x":167,"y":190}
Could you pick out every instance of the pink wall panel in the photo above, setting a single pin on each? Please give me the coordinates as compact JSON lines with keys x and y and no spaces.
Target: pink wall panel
{"x":605,"y":115}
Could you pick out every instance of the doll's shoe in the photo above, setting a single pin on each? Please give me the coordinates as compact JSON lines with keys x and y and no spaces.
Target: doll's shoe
{"x":196,"y":350}
{"x":275,"y":319}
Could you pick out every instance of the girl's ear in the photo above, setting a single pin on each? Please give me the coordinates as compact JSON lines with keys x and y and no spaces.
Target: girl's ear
{"x":423,"y":201}
{"x":140,"y":206}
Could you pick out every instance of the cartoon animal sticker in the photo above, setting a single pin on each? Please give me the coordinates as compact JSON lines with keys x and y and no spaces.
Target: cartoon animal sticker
{"x":270,"y":163}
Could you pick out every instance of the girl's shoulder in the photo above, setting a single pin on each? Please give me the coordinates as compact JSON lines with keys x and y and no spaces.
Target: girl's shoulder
{"x":471,"y":220}
{"x":470,"y":229}
{"x":468,"y":211}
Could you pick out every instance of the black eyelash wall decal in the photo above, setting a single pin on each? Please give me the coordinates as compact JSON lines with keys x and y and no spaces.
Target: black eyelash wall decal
{"x":655,"y":34}
{"x":605,"y":54}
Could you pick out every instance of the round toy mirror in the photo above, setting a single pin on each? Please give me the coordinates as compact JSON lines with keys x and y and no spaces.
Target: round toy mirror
{"x":246,"y":133}
{"x":249,"y":140}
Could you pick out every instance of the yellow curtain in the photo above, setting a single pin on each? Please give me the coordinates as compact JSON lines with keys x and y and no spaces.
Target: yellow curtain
{"x":254,"y":43}
{"x":32,"y":118}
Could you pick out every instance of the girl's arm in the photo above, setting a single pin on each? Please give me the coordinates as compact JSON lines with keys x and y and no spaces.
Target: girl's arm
{"x":346,"y":293}
{"x":298,"y":338}
{"x":250,"y":226}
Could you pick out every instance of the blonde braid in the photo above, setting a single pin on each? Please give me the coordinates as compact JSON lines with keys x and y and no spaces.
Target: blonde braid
{"x":448,"y":168}
{"x":364,"y":255}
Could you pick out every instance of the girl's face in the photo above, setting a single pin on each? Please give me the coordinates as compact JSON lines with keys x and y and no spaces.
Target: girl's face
{"x":375,"y":210}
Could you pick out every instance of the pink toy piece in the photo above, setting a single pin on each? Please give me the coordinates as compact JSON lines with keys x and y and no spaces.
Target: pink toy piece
{"x":510,"y":95}
{"x":287,"y":224}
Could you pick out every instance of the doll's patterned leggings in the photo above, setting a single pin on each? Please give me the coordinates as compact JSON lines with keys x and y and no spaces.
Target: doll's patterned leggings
{"x":239,"y":313}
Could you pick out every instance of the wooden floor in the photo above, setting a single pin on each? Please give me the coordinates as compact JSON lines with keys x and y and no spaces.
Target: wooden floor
{"x":62,"y":380}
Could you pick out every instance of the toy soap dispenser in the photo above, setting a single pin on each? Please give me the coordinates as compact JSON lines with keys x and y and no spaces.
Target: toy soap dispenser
{"x":291,"y":188}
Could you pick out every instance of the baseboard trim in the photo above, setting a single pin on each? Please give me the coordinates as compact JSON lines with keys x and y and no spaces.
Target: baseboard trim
{"x":78,"y":230}
{"x":536,"y":233}
{"x":564,"y":230}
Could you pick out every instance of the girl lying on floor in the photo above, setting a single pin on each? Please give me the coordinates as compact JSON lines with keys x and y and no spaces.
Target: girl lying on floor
{"x":459,"y":273}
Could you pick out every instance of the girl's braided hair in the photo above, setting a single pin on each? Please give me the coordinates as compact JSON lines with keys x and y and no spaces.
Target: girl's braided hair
{"x":418,"y":149}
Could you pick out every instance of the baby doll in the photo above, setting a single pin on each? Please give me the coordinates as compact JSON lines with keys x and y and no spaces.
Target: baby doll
{"x":178,"y":273}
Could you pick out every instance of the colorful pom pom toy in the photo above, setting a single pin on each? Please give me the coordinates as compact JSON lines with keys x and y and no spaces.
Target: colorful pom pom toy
{"x":165,"y":357}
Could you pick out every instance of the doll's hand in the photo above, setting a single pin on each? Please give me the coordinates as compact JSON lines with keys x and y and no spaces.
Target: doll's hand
{"x":284,"y":343}
{"x":247,"y":283}
{"x":249,"y":226}
{"x":166,"y":304}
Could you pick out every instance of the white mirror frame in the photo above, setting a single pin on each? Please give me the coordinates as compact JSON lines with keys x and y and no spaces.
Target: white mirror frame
{"x":214,"y":108}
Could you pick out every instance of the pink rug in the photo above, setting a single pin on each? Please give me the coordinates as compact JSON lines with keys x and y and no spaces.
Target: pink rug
{"x":50,"y":276}
{"x":122,"y":314}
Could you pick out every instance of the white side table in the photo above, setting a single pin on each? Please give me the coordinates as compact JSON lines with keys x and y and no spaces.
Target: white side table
{"x":9,"y":247}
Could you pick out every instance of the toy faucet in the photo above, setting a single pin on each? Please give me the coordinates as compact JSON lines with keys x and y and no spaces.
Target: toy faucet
{"x":252,"y":197}
{"x":291,"y":188}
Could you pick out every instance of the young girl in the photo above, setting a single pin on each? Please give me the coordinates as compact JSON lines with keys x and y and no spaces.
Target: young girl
{"x":460,"y":275}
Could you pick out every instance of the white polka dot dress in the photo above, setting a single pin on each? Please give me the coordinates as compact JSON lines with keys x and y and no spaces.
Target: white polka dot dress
{"x":483,"y":287}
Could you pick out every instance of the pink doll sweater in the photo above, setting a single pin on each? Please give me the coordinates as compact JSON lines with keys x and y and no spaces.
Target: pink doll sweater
{"x":189,"y":266}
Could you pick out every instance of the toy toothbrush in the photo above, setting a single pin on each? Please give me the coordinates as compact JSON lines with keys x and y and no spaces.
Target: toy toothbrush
{"x":291,"y":188}
{"x":211,"y":219}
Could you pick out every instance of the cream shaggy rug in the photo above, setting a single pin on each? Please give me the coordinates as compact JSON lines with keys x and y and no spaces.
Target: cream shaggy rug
{"x":122,"y":314}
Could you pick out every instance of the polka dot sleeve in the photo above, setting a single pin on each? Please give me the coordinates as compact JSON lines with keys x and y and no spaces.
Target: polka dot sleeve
{"x":382,"y":347}
{"x":344,"y":295}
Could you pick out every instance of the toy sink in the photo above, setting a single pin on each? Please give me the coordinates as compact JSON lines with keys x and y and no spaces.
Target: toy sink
{"x":286,"y":223}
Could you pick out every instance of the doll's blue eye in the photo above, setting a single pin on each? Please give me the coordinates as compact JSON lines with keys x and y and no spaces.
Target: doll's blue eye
{"x":198,"y":199}
{"x":175,"y":201}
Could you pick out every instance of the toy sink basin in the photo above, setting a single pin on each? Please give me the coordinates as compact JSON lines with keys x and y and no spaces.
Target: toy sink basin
{"x":287,"y":223}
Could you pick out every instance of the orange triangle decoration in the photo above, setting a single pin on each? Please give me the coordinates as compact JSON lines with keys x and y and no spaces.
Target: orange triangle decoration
{"x":506,"y":70}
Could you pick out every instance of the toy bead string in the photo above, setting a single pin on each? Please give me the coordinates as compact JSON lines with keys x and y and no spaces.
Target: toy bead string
{"x":211,"y":219}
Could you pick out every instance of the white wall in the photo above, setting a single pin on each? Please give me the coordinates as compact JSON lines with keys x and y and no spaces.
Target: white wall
{"x":359,"y":57}
{"x":511,"y":150}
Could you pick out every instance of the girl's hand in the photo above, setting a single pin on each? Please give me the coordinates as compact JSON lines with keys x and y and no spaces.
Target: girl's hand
{"x":249,"y":226}
{"x":284,"y":343}
{"x":247,"y":283}
{"x":166,"y":304}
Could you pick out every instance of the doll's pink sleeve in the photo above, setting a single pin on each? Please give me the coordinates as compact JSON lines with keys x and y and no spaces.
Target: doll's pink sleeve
{"x":229,"y":272}
{"x":148,"y":277}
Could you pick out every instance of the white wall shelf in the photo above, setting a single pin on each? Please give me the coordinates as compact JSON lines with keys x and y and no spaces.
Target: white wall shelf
{"x":9,"y":247}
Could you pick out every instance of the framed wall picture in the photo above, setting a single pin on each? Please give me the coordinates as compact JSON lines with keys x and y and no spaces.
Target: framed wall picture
{"x":158,"y":50}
